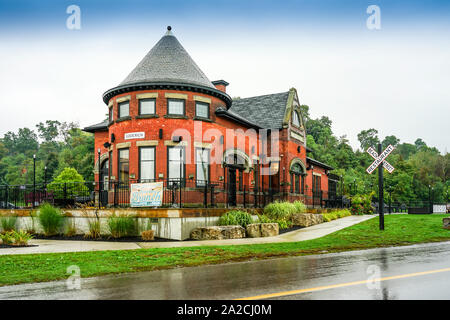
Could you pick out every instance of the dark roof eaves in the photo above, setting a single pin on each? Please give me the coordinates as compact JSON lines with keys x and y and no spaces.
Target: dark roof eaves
{"x":165,"y":85}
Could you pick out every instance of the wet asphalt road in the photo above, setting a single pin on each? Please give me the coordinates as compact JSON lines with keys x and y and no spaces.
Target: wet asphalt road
{"x":249,"y":279}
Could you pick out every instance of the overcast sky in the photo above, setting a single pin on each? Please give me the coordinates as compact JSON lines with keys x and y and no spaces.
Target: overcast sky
{"x":395,"y":79}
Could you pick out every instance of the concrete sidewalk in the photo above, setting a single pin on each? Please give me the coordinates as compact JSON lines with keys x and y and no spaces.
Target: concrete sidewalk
{"x":317,"y":231}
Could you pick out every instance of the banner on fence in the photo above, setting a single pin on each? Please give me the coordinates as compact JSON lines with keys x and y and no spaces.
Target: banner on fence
{"x":146,"y":194}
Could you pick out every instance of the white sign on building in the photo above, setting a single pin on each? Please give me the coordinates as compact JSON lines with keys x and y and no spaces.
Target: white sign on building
{"x":134,"y":135}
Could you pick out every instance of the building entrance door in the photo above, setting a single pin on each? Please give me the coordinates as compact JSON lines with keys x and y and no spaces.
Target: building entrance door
{"x":232,"y":186}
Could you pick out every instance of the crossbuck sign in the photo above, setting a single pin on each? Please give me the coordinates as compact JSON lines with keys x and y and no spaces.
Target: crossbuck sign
{"x":379,"y":159}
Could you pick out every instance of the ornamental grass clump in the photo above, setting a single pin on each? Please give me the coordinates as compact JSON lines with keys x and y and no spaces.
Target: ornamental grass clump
{"x":8,"y":223}
{"x":235,"y":217}
{"x":122,"y":226}
{"x":280,"y":210}
{"x":50,"y":219}
{"x":300,"y":207}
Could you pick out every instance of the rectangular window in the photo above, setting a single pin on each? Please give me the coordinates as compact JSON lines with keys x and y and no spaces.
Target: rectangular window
{"x":175,"y":107}
{"x":202,"y":110}
{"x":110,"y":114}
{"x":202,"y":166}
{"x":147,"y":164}
{"x":124,"y":165}
{"x":147,"y":106}
{"x":175,"y":159}
{"x":124,"y":109}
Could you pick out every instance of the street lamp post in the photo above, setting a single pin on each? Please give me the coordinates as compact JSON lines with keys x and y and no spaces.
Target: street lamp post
{"x":99,"y":176}
{"x":45,"y":177}
{"x":34,"y":179}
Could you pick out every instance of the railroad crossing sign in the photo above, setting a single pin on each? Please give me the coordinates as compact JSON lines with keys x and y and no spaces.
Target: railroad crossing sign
{"x":379,"y":159}
{"x":374,"y":155}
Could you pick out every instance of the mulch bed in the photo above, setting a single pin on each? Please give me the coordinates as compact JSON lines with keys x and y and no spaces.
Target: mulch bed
{"x":289,"y":229}
{"x":6,"y":246}
{"x":110,"y":239}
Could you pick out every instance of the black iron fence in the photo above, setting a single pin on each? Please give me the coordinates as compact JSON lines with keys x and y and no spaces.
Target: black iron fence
{"x":187,"y":193}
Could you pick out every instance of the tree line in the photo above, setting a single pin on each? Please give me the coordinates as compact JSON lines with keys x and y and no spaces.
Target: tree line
{"x":57,"y":145}
{"x":420,"y":171}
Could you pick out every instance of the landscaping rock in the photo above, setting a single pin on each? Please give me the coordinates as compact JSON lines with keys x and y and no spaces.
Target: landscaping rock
{"x":254,"y":230}
{"x":446,"y":222}
{"x":269,"y":229}
{"x":148,"y":235}
{"x":218,"y":233}
{"x":306,"y":219}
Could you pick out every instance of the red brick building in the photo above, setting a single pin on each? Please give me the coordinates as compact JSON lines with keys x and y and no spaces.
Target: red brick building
{"x":168,"y":122}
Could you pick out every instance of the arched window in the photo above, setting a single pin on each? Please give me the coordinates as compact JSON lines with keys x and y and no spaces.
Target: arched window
{"x":295,"y":119}
{"x":297,"y":178}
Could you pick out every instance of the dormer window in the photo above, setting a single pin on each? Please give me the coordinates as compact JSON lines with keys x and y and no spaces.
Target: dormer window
{"x":295,"y":119}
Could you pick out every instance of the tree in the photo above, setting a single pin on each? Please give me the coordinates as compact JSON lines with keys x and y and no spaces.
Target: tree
{"x":368,"y":138}
{"x":48,"y":131}
{"x":390,"y":140}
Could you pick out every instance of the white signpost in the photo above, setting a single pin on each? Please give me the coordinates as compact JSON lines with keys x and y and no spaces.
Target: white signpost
{"x":380,"y":159}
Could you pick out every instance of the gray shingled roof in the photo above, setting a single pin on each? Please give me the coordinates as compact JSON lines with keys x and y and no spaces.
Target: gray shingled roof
{"x":168,"y":61}
{"x":266,"y":111}
{"x":97,"y":127}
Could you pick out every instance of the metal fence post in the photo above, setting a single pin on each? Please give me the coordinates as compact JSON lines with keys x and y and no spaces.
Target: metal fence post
{"x":205,"y":196}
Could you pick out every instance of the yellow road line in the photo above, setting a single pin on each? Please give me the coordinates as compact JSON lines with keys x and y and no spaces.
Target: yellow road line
{"x":340,"y":285}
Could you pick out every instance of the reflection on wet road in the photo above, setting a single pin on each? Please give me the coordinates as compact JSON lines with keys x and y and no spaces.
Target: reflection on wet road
{"x":276,"y":276}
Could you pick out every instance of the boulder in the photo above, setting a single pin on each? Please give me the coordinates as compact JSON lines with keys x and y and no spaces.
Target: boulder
{"x":218,"y":233}
{"x":446,"y":222}
{"x":254,"y":230}
{"x":306,"y":219}
{"x":269,"y":229}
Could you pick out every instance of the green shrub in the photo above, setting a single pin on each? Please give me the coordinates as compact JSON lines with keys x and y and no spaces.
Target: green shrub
{"x":282,"y":223}
{"x":8,"y":223}
{"x":235,"y":217}
{"x":50,"y":219}
{"x":362,"y":204}
{"x":122,"y":226}
{"x":327,"y":217}
{"x":21,"y":237}
{"x":7,"y":237}
{"x":70,"y":180}
{"x":300,"y":207}
{"x":280,"y":210}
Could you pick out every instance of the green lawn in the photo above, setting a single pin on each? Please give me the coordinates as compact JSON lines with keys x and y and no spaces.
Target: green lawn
{"x":400,"y":230}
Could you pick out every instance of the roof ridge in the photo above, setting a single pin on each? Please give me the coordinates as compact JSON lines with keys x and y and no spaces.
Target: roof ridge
{"x":263,"y":95}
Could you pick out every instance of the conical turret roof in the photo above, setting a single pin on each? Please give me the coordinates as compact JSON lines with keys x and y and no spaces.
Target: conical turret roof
{"x":166,"y":64}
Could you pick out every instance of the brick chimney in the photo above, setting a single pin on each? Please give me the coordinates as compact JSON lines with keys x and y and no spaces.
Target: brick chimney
{"x":221,"y":85}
